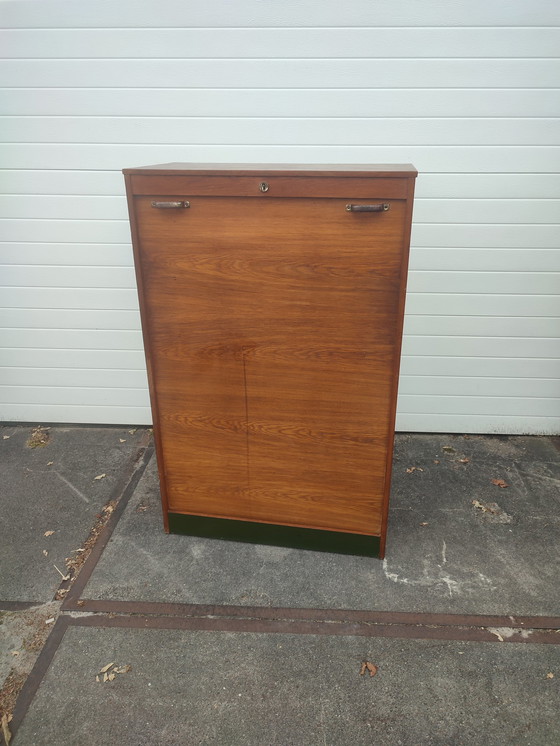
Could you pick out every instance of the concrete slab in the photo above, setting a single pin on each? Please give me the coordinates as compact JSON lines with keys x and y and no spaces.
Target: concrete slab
{"x":53,"y":488}
{"x":445,"y":555}
{"x":22,"y":636}
{"x":248,"y":689}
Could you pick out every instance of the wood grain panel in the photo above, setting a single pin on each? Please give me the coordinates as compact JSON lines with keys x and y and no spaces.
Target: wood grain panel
{"x":294,"y":506}
{"x":279,"y":186}
{"x":272,"y":326}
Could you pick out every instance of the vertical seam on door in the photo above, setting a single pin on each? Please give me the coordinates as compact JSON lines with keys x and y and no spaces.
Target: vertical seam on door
{"x":246,"y":416}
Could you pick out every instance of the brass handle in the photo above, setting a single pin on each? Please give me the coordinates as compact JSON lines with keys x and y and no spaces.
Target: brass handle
{"x":382,"y":207}
{"x":170,"y":205}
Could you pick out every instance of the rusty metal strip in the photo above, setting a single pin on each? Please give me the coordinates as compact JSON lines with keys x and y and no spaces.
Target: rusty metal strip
{"x":18,"y":605}
{"x":121,"y":495}
{"x":319,"y":615}
{"x":38,"y":671}
{"x":268,"y":626}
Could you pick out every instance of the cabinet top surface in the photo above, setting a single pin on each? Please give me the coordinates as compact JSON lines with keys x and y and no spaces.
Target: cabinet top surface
{"x":395,"y":170}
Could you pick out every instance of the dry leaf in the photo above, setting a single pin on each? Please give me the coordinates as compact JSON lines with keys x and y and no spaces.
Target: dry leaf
{"x":413,"y":468}
{"x":490,"y":508}
{"x":424,"y":523}
{"x":6,"y":437}
{"x":107,"y":667}
{"x":105,"y":677}
{"x":15,"y":652}
{"x":111,"y":676}
{"x":80,"y":603}
{"x":493,"y":512}
{"x":97,"y":679}
{"x":122,"y":669}
{"x":45,"y":553}
{"x":48,"y":533}
{"x":499,"y":483}
{"x":99,"y":476}
{"x":6,"y":730}
{"x":449,"y":449}
{"x":464,"y":460}
{"x":371,"y":668}
{"x":39,"y":437}
{"x":132,"y":431}
{"x":49,"y":621}
{"x":122,"y":440}
{"x":436,"y":461}
{"x":363,"y":668}
{"x":550,"y":676}
{"x":50,"y":463}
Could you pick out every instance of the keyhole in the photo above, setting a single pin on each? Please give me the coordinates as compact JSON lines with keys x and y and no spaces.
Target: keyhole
{"x":263,"y":186}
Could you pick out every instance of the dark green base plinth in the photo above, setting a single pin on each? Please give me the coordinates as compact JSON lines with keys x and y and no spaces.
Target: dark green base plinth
{"x":266,"y":533}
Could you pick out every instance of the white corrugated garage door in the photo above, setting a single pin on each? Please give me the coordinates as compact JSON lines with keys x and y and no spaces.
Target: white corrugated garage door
{"x":467,"y":91}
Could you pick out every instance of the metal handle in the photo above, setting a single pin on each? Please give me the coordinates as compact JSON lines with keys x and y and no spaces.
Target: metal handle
{"x":170,"y":205}
{"x":383,"y":207}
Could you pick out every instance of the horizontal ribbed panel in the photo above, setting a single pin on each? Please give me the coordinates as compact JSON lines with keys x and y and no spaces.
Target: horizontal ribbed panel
{"x":466,"y":91}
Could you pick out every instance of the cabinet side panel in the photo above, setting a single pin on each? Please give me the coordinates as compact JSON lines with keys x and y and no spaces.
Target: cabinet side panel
{"x":147,"y":337}
{"x":405,"y":253}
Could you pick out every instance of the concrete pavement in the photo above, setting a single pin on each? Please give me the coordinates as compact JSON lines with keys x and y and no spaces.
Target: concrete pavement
{"x":215,"y":642}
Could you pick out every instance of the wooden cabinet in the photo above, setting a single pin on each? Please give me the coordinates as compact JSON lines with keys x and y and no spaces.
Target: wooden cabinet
{"x":272,"y":304}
